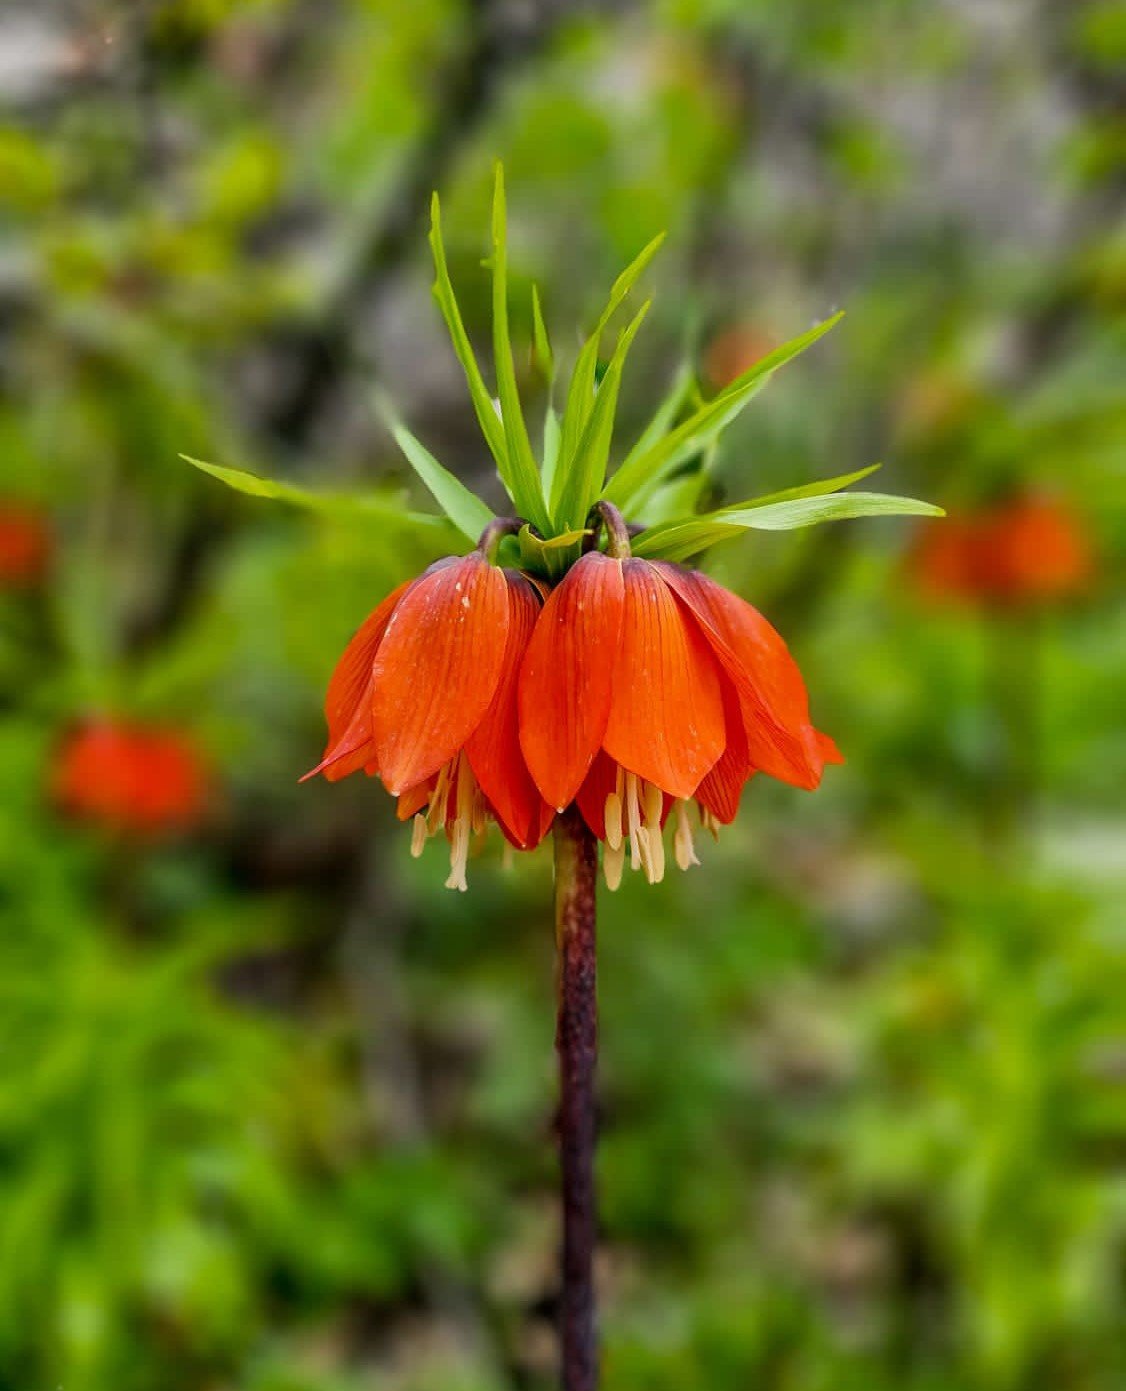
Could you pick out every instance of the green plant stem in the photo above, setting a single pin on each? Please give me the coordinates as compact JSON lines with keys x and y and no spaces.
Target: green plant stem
{"x":576,"y":1042}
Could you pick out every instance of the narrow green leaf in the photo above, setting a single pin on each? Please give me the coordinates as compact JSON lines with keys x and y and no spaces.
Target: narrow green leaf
{"x":642,"y":471}
{"x":464,"y":508}
{"x":587,"y":471}
{"x":680,"y":540}
{"x":541,"y":342}
{"x":678,"y":497}
{"x":580,"y":394}
{"x":818,"y":488}
{"x":808,"y":511}
{"x":341,"y":504}
{"x":551,"y":441}
{"x":487,"y":417}
{"x":660,"y":422}
{"x":524,"y":481}
{"x":673,"y":502}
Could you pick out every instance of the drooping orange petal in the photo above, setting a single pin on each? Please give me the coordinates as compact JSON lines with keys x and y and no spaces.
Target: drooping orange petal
{"x":829,"y":751}
{"x":565,"y":682}
{"x":666,"y":714}
{"x":494,"y":747}
{"x":540,"y":828}
{"x":721,"y":790}
{"x":753,"y":654}
{"x":598,"y":784}
{"x":348,"y":700}
{"x":437,"y":668}
{"x":413,"y":800}
{"x":353,"y":753}
{"x":352,"y":677}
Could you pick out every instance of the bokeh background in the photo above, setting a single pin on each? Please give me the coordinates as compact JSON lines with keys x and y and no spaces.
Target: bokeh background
{"x":276,"y":1108}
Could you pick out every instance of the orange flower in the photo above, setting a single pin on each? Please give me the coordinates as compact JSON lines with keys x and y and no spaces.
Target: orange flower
{"x":945,"y":560}
{"x":424,"y":697}
{"x":1036,"y":550}
{"x":131,"y":778}
{"x":732,"y":352}
{"x":646,"y":686}
{"x":25,"y":545}
{"x":1026,"y":551}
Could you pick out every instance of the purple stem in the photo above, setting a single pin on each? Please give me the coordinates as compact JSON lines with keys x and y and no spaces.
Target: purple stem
{"x":576,"y":1042}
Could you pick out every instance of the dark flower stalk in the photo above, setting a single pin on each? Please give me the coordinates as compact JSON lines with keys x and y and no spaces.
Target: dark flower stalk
{"x":576,"y":1042}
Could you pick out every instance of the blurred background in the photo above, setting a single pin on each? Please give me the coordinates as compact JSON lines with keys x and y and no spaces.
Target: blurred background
{"x":276,"y":1108}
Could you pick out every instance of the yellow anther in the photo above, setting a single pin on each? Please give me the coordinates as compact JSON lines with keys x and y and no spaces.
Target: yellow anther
{"x":613,"y":862}
{"x":683,"y":846}
{"x":613,"y":816}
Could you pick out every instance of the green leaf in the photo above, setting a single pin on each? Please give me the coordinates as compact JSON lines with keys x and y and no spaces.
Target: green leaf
{"x":253,"y":485}
{"x":551,"y":441}
{"x":524,"y":479}
{"x":487,"y":417}
{"x":678,"y":497}
{"x":680,"y":540}
{"x":587,"y":471}
{"x":808,"y":511}
{"x":580,"y":395}
{"x":642,"y":471}
{"x":553,"y":543}
{"x":660,"y":422}
{"x":552,"y":557}
{"x":540,"y":341}
{"x":464,"y":508}
{"x":818,"y":488}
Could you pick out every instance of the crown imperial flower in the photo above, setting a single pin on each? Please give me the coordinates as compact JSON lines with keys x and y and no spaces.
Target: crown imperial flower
{"x":131,"y":778}
{"x":638,"y":688}
{"x":25,"y":545}
{"x":1028,"y":550}
{"x":571,"y":671}
{"x":571,"y":660}
{"x":733,"y":351}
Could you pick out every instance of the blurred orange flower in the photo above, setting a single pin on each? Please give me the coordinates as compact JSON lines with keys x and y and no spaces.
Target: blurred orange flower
{"x":25,"y":545}
{"x":945,"y":558}
{"x":734,"y":351}
{"x":131,"y":778}
{"x":1039,"y":551}
{"x":1029,"y":550}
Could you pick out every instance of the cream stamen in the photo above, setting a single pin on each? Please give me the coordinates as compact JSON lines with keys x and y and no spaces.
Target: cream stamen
{"x":653,"y":855}
{"x":613,"y":862}
{"x":462,"y":825}
{"x":613,"y":818}
{"x":633,"y":815}
{"x":436,"y":812}
{"x":457,"y":804}
{"x":683,"y":846}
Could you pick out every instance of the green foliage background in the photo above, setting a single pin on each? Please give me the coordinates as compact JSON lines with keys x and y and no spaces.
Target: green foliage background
{"x":275,"y":1109}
